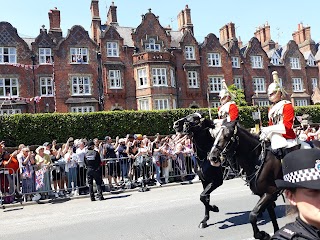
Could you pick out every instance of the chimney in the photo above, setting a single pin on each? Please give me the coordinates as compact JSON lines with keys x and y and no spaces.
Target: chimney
{"x":302,"y":34}
{"x":112,"y":15}
{"x":240,"y":43}
{"x":54,"y":19}
{"x":227,"y":34}
{"x":95,"y":21}
{"x":262,"y":33}
{"x":303,"y":38}
{"x":184,"y":20}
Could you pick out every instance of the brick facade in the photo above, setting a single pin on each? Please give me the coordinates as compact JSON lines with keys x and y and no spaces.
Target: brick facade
{"x":147,"y":66}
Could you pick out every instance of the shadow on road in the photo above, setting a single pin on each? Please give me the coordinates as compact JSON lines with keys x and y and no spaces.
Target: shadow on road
{"x":116,"y":197}
{"x":242,"y":218}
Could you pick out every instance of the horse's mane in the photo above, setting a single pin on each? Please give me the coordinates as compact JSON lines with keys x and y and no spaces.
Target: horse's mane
{"x":249,"y":134}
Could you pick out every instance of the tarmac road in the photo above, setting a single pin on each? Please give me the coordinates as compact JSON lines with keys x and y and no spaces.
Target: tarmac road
{"x":163,"y":213}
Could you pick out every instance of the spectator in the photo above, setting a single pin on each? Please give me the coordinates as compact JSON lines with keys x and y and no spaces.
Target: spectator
{"x":123,"y":158}
{"x":27,"y":172}
{"x":43,"y":163}
{"x":111,"y":157}
{"x":71,"y":160}
{"x":81,"y":170}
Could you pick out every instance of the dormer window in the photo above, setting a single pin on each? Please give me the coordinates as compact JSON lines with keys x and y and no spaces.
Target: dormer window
{"x":295,"y":63}
{"x":152,"y":46}
{"x":311,"y":61}
{"x":79,"y":55}
{"x":45,"y":56}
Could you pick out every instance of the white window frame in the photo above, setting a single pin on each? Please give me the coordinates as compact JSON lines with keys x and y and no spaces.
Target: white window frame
{"x":80,"y":85}
{"x":215,"y":84}
{"x":142,"y":77}
{"x":174,"y":103}
{"x":275,"y":60}
{"x":189,"y":52}
{"x":10,"y":111}
{"x":256,"y":61}
{"x":193,"y":79}
{"x":280,"y":82}
{"x":45,"y":56}
{"x":263,"y":103}
{"x":46,"y":87}
{"x":237,"y":81}
{"x":79,"y":56}
{"x":112,"y":49}
{"x":143,"y":104}
{"x":214,"y":59}
{"x":311,"y":61}
{"x":297,"y":85}
{"x":152,"y":46}
{"x":235,"y":61}
{"x":295,"y":63}
{"x":114,"y":79}
{"x":159,"y":77}
{"x":314,"y":83}
{"x":8,"y":55}
{"x":215,"y":104}
{"x":82,"y":109}
{"x":300,"y":102}
{"x":259,"y":85}
{"x":9,"y":86}
{"x":173,"y":78}
{"x":161,"y":104}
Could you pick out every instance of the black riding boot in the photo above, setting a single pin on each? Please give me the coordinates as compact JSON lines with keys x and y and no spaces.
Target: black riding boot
{"x":91,"y":193}
{"x":100,"y":195}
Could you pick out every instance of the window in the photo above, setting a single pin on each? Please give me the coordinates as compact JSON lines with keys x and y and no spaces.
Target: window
{"x":263,"y":103}
{"x":174,"y":103}
{"x":295,"y":63}
{"x":193,"y":79}
{"x":173,"y":78}
{"x":143,"y":104}
{"x":151,"y":46}
{"x":215,"y":104}
{"x":256,"y":62}
{"x":237,"y":82}
{"x":112,"y":49}
{"x":215,"y":84}
{"x":46,"y":87}
{"x":81,"y":86}
{"x":275,"y":60}
{"x":297,"y":85}
{"x":9,"y":111}
{"x":214,"y":60}
{"x":314,"y":82}
{"x":142,"y":77}
{"x":79,"y":55}
{"x":189,"y":52}
{"x":161,"y":104}
{"x":114,"y":77}
{"x":300,"y":102}
{"x":235,"y":62}
{"x":8,"y":55}
{"x":280,"y":82}
{"x":9,"y":87}
{"x":159,"y":77}
{"x":259,"y":85}
{"x":82,"y":109}
{"x":45,"y":56}
{"x":311,"y":61}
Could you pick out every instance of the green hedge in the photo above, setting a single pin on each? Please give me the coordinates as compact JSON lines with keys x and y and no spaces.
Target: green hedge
{"x":35,"y":129}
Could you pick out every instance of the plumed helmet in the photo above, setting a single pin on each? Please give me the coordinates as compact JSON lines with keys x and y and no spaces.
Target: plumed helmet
{"x":275,"y":86}
{"x":224,"y":90}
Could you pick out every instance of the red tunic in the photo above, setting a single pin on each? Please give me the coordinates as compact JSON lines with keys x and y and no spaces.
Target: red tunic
{"x":230,"y":110}
{"x":287,"y":117}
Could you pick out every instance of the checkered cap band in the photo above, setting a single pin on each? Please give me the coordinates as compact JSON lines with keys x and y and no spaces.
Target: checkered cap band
{"x":302,"y":175}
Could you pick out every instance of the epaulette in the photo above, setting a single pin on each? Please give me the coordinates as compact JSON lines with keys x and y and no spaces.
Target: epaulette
{"x":287,"y":233}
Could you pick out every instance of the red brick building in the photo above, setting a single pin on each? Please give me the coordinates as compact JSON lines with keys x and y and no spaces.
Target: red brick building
{"x":146,"y":67}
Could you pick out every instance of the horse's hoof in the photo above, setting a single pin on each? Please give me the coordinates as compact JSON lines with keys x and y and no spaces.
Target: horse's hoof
{"x":214,"y":208}
{"x":203,"y":225}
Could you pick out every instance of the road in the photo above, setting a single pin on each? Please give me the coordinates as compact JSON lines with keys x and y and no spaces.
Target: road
{"x":167,"y":213}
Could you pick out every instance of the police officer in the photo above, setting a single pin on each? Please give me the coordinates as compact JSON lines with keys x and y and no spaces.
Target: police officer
{"x":93,"y":162}
{"x":301,"y":181}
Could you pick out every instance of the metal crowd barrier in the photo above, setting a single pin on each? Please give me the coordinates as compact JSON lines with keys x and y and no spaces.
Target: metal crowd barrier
{"x":52,"y":181}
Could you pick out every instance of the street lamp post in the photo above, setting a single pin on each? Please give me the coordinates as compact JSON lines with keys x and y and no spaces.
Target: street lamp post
{"x":100,"y":84}
{"x":33,"y":58}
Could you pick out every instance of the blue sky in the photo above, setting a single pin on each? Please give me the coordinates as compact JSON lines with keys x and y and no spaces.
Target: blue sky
{"x":208,"y":16}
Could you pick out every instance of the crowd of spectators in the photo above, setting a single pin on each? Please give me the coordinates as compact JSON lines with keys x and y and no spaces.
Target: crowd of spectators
{"x":58,"y":170}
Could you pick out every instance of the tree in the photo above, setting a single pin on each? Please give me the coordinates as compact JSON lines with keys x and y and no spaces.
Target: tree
{"x":239,"y":95}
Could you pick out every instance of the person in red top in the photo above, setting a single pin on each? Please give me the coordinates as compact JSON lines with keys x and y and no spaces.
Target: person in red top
{"x":281,"y":116}
{"x":228,"y":109}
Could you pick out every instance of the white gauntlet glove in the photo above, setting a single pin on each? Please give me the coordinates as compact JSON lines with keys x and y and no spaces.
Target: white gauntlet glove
{"x":266,"y":132}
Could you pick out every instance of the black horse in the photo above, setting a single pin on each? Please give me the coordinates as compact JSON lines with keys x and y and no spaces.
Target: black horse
{"x":211,"y":176}
{"x":261,"y":166}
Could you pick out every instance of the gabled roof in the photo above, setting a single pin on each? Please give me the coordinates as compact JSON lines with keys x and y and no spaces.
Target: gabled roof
{"x":175,"y":38}
{"x":29,"y":41}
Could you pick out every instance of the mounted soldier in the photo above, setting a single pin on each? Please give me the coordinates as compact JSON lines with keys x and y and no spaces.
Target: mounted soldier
{"x":281,"y":116}
{"x":228,"y":109}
